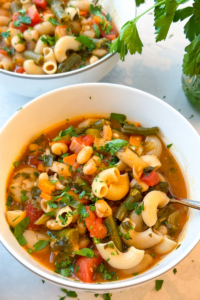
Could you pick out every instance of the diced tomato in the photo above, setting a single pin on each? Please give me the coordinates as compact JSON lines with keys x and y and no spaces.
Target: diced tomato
{"x":78,"y":142}
{"x":75,"y":166}
{"x":86,"y":266}
{"x":95,"y":225}
{"x":35,"y":161}
{"x":20,"y":70}
{"x":40,"y":3}
{"x":16,"y":17}
{"x":34,"y":15}
{"x":3,"y":52}
{"x":112,"y":35}
{"x":34,"y":214}
{"x":150,"y":180}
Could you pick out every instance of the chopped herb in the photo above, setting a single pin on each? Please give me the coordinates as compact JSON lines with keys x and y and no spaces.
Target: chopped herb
{"x":96,"y":241}
{"x":52,"y":205}
{"x":53,"y":21}
{"x":119,"y":117}
{"x":5,"y":34}
{"x":24,"y":198}
{"x":108,"y":17}
{"x":85,"y":252}
{"x":147,"y":171}
{"x":20,"y":108}
{"x":107,"y":296}
{"x":159,"y":284}
{"x":30,"y":251}
{"x":192,"y":116}
{"x":86,"y":41}
{"x":16,"y":163}
{"x":50,"y":213}
{"x":43,"y":281}
{"x":178,"y":246}
{"x":9,"y":53}
{"x":135,"y":273}
{"x":9,"y":201}
{"x":169,"y":146}
{"x":77,"y":268}
{"x":72,"y":294}
{"x":51,"y":41}
{"x":153,"y":255}
{"x":15,"y":219}
{"x":95,"y":10}
{"x":26,"y":175}
{"x":96,"y":295}
{"x":53,"y":182}
{"x":97,"y":30}
{"x":21,"y":227}
{"x":81,"y":195}
{"x":108,"y":29}
{"x":115,"y":145}
{"x":127,"y":236}
{"x":174,"y":271}
{"x":40,"y":245}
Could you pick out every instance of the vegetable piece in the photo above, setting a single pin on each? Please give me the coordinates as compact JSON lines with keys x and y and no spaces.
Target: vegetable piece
{"x":34,"y":214}
{"x":46,"y":186}
{"x":151,"y":180}
{"x":135,"y":140}
{"x":35,"y":192}
{"x":98,"y":124}
{"x":122,"y":211}
{"x":115,"y":145}
{"x":119,"y":117}
{"x":161,"y":186}
{"x":95,"y":225}
{"x":68,"y":64}
{"x":83,"y":185}
{"x":159,"y":284}
{"x":68,"y":241}
{"x":132,"y":129}
{"x":78,"y":142}
{"x":86,"y":41}
{"x":47,"y":160}
{"x":15,"y":6}
{"x":113,"y":232}
{"x":71,"y":159}
{"x":34,"y":15}
{"x":86,"y":266}
{"x":38,"y":59}
{"x":96,"y":133}
{"x":40,"y":3}
{"x":45,"y":196}
{"x":20,"y":70}
{"x":59,"y":13}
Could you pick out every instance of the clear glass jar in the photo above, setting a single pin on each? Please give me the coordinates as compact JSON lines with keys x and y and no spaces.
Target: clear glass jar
{"x":191,"y":88}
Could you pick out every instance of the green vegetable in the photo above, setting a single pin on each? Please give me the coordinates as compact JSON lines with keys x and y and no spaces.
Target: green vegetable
{"x":19,"y":230}
{"x":5,"y":34}
{"x":95,"y":10}
{"x":53,"y":21}
{"x":9,"y":52}
{"x":147,"y":171}
{"x":48,"y":40}
{"x":94,"y":132}
{"x":85,"y":252}
{"x":40,"y":245}
{"x":107,"y":296}
{"x":24,"y":198}
{"x":21,"y":240}
{"x":113,"y":232}
{"x":38,"y":59}
{"x":119,"y":117}
{"x":82,"y":212}
{"x":66,"y":134}
{"x":15,"y":6}
{"x":23,"y":19}
{"x":174,"y":271}
{"x":59,"y":13}
{"x":69,"y":63}
{"x":97,"y":30}
{"x":71,"y":294}
{"x":159,"y":284}
{"x":9,"y":201}
{"x":169,"y":146}
{"x":86,"y":41}
{"x":123,"y":210}
{"x":47,"y":160}
{"x":115,"y":145}
{"x":68,"y":241}
{"x":132,"y":129}
{"x":161,"y":186}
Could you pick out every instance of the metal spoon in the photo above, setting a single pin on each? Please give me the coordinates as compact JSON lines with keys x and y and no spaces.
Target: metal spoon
{"x":186,"y":202}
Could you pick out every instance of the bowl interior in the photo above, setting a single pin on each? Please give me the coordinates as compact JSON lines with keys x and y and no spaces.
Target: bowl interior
{"x":101,"y":99}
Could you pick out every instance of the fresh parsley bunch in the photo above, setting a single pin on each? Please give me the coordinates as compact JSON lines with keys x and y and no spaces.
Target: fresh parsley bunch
{"x":165,"y":12}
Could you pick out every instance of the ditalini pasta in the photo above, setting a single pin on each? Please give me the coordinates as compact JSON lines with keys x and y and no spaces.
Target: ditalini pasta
{"x":79,"y":33}
{"x":89,"y":198}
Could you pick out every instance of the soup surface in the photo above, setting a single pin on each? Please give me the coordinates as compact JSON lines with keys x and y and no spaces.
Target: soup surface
{"x":89,"y":199}
{"x":42,"y":37}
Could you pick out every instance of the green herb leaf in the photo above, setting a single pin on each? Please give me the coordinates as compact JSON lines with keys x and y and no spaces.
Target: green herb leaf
{"x":96,"y":295}
{"x":159,"y":284}
{"x":16,"y":163}
{"x":48,"y":40}
{"x":85,"y":252}
{"x":95,"y":10}
{"x":40,"y":245}
{"x":21,"y":227}
{"x":174,"y":271}
{"x":191,"y":59}
{"x":139,"y":209}
{"x":147,"y":171}
{"x":72,"y":294}
{"x":50,"y":213}
{"x":115,"y":146}
{"x":182,"y":14}
{"x":5,"y":34}
{"x":52,"y":205}
{"x":169,"y":146}
{"x":24,"y":198}
{"x":53,"y":21}
{"x":97,"y":30}
{"x":107,"y":296}
{"x":21,"y":240}
{"x":86,"y":41}
{"x":129,"y":35}
{"x":119,"y":117}
{"x":9,"y":201}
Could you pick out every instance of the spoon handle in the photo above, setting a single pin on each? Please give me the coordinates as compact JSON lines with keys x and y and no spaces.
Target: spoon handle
{"x":186,"y":202}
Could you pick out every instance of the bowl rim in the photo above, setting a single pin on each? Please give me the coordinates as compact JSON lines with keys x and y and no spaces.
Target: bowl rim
{"x":66,"y":74}
{"x":115,"y":285}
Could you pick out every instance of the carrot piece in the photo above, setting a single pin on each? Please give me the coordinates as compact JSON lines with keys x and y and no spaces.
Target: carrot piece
{"x":3,"y":52}
{"x":40,"y":167}
{"x":83,"y":13}
{"x":73,"y":194}
{"x":97,"y":19}
{"x":45,"y":196}
{"x":67,"y":142}
{"x":46,"y":186}
{"x":135,"y":140}
{"x":70,"y":159}
{"x":137,"y":124}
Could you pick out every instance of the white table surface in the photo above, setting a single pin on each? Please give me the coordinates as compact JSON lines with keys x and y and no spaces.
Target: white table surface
{"x":156,"y":71}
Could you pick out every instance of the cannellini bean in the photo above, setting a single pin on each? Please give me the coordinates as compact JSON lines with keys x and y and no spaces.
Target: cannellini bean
{"x":60,"y":168}
{"x":51,"y":224}
{"x":31,"y":35}
{"x":27,"y":185}
{"x":43,"y":176}
{"x":99,"y":52}
{"x":103,"y":210}
{"x":96,"y":159}
{"x":59,"y":148}
{"x":33,"y":148}
{"x":84,"y":241}
{"x":18,"y":44}
{"x":84,"y":155}
{"x":93,"y":59}
{"x":82,"y":229}
{"x":90,"y":34}
{"x":85,"y":27}
{"x":90,"y":167}
{"x":107,"y":133}
{"x":163,"y":229}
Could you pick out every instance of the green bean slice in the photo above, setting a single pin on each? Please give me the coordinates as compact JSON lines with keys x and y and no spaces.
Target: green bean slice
{"x":113,"y":232}
{"x":15,"y":6}
{"x":131,"y":129}
{"x":69,"y":63}
{"x":38,"y":59}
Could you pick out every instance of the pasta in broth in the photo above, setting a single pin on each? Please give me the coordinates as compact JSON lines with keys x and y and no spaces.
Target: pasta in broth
{"x":42,"y":37}
{"x":89,"y":199}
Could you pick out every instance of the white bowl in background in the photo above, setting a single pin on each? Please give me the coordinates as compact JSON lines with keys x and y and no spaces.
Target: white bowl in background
{"x":36,"y":85}
{"x":101,"y":99}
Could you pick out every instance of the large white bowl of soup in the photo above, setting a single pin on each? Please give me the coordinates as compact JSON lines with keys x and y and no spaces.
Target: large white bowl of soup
{"x":47,"y":45}
{"x":85,"y":178}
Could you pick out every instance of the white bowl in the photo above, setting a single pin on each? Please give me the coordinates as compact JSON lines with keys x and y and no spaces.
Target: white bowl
{"x":101,"y":99}
{"x":36,"y":85}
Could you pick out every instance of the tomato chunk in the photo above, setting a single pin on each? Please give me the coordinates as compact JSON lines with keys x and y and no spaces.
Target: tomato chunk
{"x":40,"y":3}
{"x":16,"y":16}
{"x":86,"y":266}
{"x":95,"y":225}
{"x":150,"y":180}
{"x":34,"y":214}
{"x":34,"y":15}
{"x":20,"y":70}
{"x":78,"y":142}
